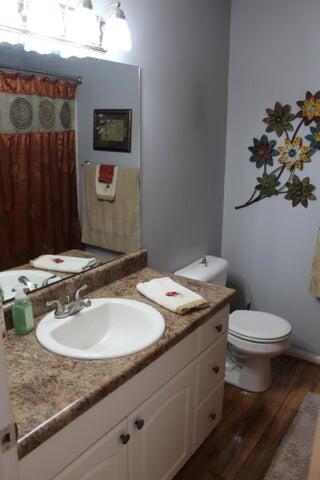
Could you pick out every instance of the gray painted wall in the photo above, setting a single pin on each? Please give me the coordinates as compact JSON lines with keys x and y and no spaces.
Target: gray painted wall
{"x":182,"y":48}
{"x":274,"y":55}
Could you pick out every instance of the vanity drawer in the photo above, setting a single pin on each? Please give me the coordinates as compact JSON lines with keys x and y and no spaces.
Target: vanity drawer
{"x":210,"y":368}
{"x":207,"y":416}
{"x":213,"y":328}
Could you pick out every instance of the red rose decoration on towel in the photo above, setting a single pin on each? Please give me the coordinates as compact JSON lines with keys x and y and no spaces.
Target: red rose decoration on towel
{"x":173,"y":294}
{"x":58,"y":260}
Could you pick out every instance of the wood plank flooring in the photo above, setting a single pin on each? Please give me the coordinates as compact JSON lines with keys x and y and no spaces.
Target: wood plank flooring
{"x":253,"y":424}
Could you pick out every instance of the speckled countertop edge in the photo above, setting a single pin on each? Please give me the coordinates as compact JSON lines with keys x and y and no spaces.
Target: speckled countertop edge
{"x":59,"y":389}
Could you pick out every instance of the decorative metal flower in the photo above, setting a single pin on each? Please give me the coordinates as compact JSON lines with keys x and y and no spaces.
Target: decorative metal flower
{"x":267,"y":184}
{"x":314,"y":137}
{"x":300,"y":191}
{"x":309,"y":108}
{"x":293,"y":154}
{"x":263,"y":151}
{"x":279,"y":119}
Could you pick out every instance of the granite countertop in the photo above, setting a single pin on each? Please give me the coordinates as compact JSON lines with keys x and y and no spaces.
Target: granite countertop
{"x":49,"y":391}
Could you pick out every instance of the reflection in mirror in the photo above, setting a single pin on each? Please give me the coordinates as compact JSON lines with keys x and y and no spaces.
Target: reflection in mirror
{"x":69,"y":166}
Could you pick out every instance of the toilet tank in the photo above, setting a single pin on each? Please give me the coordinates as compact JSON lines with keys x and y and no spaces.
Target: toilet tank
{"x":214,"y":270}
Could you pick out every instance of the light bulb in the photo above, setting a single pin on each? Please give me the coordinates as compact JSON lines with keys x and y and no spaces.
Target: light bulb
{"x":10,"y":15}
{"x":45,"y":18}
{"x":116,"y":34}
{"x":83,"y":27}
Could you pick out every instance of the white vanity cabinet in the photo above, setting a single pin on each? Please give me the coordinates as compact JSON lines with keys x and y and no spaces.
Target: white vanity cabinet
{"x":152,"y":443}
{"x":162,"y":431}
{"x":162,"y":415}
{"x":106,"y":460}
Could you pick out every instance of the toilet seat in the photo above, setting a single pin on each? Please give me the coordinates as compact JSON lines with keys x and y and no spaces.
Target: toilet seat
{"x":258,"y":327}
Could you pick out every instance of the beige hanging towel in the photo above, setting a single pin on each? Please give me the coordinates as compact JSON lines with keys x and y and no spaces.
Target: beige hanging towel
{"x":112,"y":225}
{"x":315,"y":272}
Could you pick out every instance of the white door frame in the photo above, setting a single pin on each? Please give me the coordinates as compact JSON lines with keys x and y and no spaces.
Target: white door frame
{"x":9,"y":469}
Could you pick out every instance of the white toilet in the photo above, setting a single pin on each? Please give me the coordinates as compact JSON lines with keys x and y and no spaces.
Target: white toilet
{"x":253,"y":338}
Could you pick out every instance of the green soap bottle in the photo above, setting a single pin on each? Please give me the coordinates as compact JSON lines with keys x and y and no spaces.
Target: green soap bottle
{"x":22,"y":313}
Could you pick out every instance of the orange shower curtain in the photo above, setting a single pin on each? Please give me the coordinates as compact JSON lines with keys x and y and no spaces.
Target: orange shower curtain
{"x":38,"y":181}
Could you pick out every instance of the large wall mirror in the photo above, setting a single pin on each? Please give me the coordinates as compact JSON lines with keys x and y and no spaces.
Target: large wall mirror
{"x":69,"y":166}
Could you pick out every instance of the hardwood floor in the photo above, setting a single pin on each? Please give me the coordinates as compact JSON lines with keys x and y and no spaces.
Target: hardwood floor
{"x":253,"y":424}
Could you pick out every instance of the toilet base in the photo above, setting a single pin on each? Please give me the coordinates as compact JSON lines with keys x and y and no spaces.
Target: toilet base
{"x":253,"y":374}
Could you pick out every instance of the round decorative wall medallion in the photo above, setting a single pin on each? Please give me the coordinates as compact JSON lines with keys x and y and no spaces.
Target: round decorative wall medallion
{"x":46,"y":114}
{"x":65,"y":115}
{"x":21,"y":113}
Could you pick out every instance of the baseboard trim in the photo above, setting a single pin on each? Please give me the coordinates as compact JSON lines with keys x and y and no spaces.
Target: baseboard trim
{"x":310,"y":357}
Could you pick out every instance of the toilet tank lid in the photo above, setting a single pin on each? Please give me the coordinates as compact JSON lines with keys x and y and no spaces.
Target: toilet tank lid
{"x":198,"y":270}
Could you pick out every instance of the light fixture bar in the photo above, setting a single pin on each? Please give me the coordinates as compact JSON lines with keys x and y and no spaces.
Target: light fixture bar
{"x":72,"y":24}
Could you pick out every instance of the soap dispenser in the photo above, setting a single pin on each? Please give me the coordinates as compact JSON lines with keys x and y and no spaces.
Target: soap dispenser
{"x":22,"y":313}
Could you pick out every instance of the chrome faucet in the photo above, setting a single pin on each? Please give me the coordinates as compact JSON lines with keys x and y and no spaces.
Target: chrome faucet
{"x":64,"y":310}
{"x":27,"y":283}
{"x":45,"y":282}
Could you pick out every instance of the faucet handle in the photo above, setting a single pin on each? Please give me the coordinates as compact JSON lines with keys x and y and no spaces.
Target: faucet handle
{"x":86,"y":302}
{"x":59,"y":307}
{"x":78,"y":292}
{"x":45,"y":282}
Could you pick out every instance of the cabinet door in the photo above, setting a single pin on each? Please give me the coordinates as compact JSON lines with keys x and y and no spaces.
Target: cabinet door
{"x":211,"y":367}
{"x":105,"y":460}
{"x":162,"y":430}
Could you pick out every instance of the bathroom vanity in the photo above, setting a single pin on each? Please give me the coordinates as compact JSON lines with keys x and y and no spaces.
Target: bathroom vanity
{"x":138,"y":417}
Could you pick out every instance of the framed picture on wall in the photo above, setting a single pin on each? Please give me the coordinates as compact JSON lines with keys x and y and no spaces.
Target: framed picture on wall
{"x":112,"y":130}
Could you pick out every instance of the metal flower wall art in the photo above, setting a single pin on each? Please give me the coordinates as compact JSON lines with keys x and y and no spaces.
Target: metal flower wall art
{"x":282,"y":161}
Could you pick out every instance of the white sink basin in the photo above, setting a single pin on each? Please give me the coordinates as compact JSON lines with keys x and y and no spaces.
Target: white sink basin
{"x":9,"y":279}
{"x":111,"y":327}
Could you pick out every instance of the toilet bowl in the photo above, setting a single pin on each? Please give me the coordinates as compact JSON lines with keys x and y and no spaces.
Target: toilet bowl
{"x":254,"y":338}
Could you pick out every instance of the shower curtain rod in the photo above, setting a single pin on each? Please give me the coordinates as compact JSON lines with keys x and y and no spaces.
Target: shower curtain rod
{"x":77,"y":80}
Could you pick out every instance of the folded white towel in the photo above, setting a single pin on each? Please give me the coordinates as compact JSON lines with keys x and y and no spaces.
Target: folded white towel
{"x":105,"y":191}
{"x":171,"y":295}
{"x":63,"y":263}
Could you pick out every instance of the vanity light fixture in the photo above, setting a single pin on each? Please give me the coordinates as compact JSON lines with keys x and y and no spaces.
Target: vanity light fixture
{"x":10,"y":13}
{"x":44,"y":18}
{"x":66,"y":27}
{"x":82,"y":24}
{"x":116,"y":33}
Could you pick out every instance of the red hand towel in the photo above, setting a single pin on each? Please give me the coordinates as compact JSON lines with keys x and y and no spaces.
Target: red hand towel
{"x":106,"y":173}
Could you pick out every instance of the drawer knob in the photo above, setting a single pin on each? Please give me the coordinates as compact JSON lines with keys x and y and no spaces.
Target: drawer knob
{"x":219,"y":328}
{"x":216,"y":370}
{"x":139,"y":424}
{"x":125,"y":438}
{"x":212,"y":416}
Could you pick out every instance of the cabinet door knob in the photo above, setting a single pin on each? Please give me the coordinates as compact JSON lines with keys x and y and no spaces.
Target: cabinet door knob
{"x":216,"y":370}
{"x":212,"y":416}
{"x":125,"y":438}
{"x":139,"y":424}
{"x":219,"y":328}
